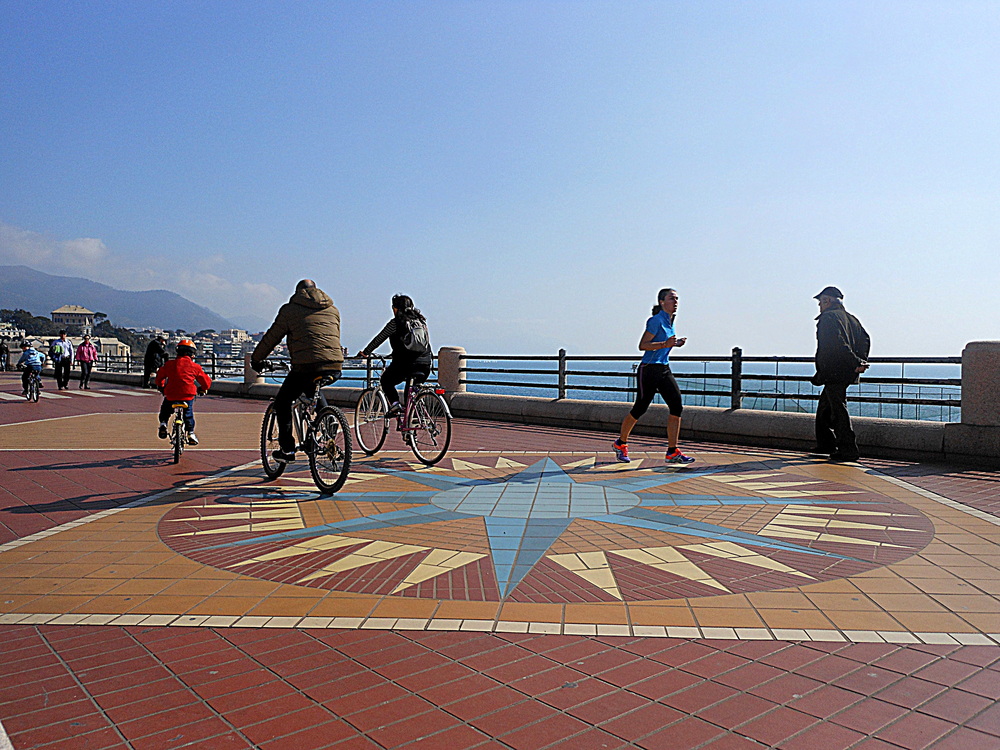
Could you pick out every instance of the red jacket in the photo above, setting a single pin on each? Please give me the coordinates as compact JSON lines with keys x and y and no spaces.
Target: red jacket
{"x":179,"y":379}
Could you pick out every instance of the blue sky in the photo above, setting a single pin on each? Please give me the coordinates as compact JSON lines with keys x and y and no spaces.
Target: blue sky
{"x":530,"y":172}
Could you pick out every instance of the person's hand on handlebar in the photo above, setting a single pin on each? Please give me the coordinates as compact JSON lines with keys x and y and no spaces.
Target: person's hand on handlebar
{"x":362,"y":354}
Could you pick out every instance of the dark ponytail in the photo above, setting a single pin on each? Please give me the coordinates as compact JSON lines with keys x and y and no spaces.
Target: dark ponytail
{"x":405,"y":308}
{"x":659,"y":298}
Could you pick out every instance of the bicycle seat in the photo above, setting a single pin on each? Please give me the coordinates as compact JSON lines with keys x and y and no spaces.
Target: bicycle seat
{"x":324,"y":380}
{"x":177,"y":406}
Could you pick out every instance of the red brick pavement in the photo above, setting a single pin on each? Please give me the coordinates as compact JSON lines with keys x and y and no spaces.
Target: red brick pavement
{"x":147,"y":687}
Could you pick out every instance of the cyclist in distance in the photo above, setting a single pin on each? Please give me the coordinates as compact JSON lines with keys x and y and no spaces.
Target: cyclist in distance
{"x":411,"y":349}
{"x":179,"y":380}
{"x":31,"y":361}
{"x":310,"y":323}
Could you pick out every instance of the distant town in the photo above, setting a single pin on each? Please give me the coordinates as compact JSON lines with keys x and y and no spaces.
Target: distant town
{"x":115,"y":342}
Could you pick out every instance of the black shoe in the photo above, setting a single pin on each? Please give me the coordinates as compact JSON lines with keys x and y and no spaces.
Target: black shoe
{"x":843,"y":458}
{"x":283,"y":457}
{"x":162,"y":432}
{"x":394,"y":411}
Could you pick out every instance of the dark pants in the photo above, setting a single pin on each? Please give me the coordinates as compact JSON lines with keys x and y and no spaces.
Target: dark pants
{"x":167,"y":408}
{"x":147,"y":376}
{"x":833,"y":422}
{"x":400,"y":372}
{"x":296,"y":384}
{"x":85,"y":370}
{"x":62,"y":372}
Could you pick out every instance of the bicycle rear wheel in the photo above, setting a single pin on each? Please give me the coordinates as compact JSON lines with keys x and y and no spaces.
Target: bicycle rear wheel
{"x":33,"y":391}
{"x":430,"y":422}
{"x":329,"y":446}
{"x":370,"y":424}
{"x":178,"y":436}
{"x":269,"y":443}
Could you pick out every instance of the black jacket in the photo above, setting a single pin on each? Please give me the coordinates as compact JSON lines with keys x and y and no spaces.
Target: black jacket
{"x":156,"y":355}
{"x":842,"y":345}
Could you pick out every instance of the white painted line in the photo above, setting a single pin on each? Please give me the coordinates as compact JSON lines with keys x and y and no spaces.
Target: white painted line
{"x":10,"y":396}
{"x":92,"y":394}
{"x":43,"y":394}
{"x":4,"y":740}
{"x":123,"y":392}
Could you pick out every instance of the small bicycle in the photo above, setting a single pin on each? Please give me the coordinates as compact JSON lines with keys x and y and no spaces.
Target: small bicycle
{"x":424,"y":421}
{"x":321,"y":432}
{"x":34,"y":389}
{"x":178,"y":430}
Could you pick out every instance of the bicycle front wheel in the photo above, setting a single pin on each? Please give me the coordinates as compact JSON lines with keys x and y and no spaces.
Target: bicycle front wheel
{"x":269,"y":444}
{"x":329,"y":446}
{"x":430,"y":422}
{"x":33,"y":391}
{"x":370,"y":424}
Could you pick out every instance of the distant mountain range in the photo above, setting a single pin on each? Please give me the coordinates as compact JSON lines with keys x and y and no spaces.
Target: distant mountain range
{"x":40,"y":293}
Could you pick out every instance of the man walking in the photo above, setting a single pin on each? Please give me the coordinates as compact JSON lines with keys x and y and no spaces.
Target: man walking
{"x":842,"y":346}
{"x":310,"y":323}
{"x":61,"y":353}
{"x":155,"y":357}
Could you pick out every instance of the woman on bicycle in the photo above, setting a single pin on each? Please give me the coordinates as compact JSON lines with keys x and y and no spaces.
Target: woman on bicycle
{"x":411,"y":349}
{"x":654,"y":377}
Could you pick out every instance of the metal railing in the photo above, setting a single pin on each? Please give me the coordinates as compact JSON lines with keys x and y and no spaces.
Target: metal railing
{"x":733,"y":382}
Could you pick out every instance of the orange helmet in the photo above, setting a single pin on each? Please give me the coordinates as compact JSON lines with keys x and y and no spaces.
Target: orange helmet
{"x":186,"y":346}
{"x":186,"y":342}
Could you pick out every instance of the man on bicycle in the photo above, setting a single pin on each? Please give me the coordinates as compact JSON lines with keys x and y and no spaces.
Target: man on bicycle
{"x":311,"y":323}
{"x":30,"y":362}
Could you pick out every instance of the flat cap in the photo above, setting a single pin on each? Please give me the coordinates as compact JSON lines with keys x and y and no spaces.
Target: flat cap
{"x":830,"y":291}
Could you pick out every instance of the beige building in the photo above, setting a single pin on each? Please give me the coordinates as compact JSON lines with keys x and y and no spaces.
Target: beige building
{"x":73,"y":315}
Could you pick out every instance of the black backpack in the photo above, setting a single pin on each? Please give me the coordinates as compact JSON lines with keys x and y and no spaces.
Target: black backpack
{"x":415,"y":337}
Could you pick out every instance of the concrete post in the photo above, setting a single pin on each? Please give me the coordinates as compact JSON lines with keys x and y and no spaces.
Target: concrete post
{"x":451,"y":360}
{"x":981,"y":383}
{"x":251,"y":376}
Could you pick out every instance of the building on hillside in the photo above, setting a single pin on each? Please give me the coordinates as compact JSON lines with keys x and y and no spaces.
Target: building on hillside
{"x":112,"y":346}
{"x":9,"y":332}
{"x":74,"y":315}
{"x":235,"y":334}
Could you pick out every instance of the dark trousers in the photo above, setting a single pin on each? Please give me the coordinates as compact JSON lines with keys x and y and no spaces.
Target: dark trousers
{"x":62,"y":372}
{"x":85,"y":369}
{"x":400,"y":372}
{"x":167,"y":407}
{"x":296,"y":384}
{"x":147,"y":376}
{"x":833,"y":422}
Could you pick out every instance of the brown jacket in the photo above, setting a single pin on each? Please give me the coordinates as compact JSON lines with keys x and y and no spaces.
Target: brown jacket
{"x":312,"y":324}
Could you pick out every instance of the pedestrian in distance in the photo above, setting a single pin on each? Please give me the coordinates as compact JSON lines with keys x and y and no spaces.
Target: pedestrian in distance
{"x":411,"y":350}
{"x":654,"y":376}
{"x":4,"y":355}
{"x":842,"y":347}
{"x":310,"y":324}
{"x":154,"y":359}
{"x":86,"y":355}
{"x":61,"y":354}
{"x":180,"y":380}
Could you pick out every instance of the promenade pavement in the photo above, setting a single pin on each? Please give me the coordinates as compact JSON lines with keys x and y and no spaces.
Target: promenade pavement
{"x":528,"y":592}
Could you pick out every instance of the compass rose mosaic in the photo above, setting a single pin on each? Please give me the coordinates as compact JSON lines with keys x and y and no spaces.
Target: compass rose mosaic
{"x":547,"y":528}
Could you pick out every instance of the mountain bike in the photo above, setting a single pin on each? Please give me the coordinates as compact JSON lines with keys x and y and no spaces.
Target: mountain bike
{"x":424,"y":420}
{"x":321,"y":432}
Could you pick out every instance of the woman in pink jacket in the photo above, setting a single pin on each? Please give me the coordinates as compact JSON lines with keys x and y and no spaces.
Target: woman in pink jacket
{"x":86,"y":355}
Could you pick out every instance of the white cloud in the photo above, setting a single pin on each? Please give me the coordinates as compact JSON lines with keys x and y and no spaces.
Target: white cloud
{"x":91,"y":258}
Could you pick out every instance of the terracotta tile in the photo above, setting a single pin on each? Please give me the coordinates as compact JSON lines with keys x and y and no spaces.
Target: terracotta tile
{"x":665,"y":616}
{"x":600,"y":614}
{"x":794,"y":619}
{"x":776,"y":726}
{"x":825,"y":701}
{"x":420,"y":609}
{"x":915,"y":731}
{"x":690,"y":732}
{"x":343,"y":607}
{"x":869,"y":716}
{"x":708,"y":617}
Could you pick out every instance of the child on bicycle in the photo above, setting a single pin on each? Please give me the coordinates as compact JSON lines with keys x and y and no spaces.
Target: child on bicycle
{"x":411,"y":349}
{"x":180,"y":380}
{"x":30,"y":362}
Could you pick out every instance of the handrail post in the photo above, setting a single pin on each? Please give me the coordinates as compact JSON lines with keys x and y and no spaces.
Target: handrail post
{"x":736,"y":382}
{"x":562,"y":373}
{"x":212,"y":361}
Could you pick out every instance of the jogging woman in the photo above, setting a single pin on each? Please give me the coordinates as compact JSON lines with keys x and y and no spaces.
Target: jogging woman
{"x":411,"y":349}
{"x":654,"y":377}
